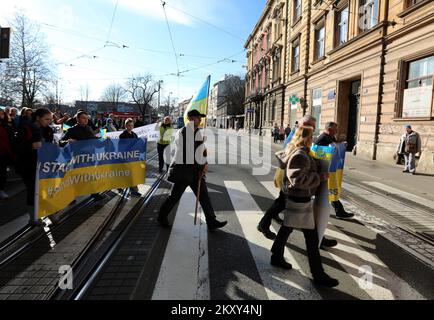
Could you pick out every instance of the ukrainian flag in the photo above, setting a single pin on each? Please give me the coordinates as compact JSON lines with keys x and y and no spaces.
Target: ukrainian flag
{"x":322,"y":152}
{"x":336,"y":172}
{"x":199,"y":102}
{"x":65,"y":127}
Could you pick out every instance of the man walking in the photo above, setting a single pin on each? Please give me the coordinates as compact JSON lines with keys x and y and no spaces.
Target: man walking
{"x":324,"y":139}
{"x":413,"y":145}
{"x":189,"y":165}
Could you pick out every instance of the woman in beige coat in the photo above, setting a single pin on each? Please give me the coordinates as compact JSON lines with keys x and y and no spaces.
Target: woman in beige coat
{"x":300,"y":184}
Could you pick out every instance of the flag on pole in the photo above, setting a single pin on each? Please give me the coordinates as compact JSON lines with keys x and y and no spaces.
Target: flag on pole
{"x":199,"y":102}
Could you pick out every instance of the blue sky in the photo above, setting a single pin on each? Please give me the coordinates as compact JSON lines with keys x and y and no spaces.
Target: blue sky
{"x":78,"y":30}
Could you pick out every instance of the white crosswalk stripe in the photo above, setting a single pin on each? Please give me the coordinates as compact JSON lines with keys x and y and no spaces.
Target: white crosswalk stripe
{"x":184,"y":271}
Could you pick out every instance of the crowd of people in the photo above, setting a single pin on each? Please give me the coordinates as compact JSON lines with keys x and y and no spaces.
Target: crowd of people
{"x":22,"y":134}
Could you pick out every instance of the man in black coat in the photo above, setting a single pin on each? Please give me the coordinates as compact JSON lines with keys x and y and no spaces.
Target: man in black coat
{"x":186,"y":170}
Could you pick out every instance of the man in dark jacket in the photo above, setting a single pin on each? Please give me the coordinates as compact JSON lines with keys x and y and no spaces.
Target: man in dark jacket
{"x":324,"y":139}
{"x":186,"y":171}
{"x":81,"y":131}
{"x":128,"y":133}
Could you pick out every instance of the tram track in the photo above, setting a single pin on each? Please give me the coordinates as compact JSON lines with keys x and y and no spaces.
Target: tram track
{"x":92,"y":261}
{"x":402,"y":222}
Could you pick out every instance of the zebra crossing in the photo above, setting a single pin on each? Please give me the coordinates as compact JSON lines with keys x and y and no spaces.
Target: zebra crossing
{"x":185,"y":274}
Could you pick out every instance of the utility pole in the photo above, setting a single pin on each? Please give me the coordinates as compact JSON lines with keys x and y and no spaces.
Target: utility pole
{"x":159,"y":87}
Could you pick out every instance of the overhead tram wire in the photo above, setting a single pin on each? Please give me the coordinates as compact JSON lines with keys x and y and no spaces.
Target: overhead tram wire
{"x":170,"y":34}
{"x":112,"y":21}
{"x":206,"y":22}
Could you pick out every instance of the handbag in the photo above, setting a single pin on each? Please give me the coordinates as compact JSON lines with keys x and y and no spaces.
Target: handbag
{"x":299,"y":214}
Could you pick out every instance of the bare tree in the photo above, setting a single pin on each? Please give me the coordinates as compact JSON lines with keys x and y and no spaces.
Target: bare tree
{"x":114,"y":94}
{"x":28,"y":71}
{"x":142,"y":90}
{"x":233,"y":95}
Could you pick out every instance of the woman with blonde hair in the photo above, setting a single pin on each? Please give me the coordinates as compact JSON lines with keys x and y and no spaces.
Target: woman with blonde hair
{"x":302,"y":178}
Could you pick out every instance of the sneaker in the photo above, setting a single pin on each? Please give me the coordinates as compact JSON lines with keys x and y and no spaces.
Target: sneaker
{"x":325,"y":280}
{"x":164,"y":222}
{"x":344,"y":215}
{"x":266,"y":232}
{"x":280,"y":262}
{"x":215,"y":224}
{"x":3,"y":195}
{"x":405,"y":171}
{"x":328,"y":243}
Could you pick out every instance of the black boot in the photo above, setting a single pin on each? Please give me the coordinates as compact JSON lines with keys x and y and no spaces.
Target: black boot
{"x":215,"y":224}
{"x":325,"y":280}
{"x":280,"y":262}
{"x":328,"y":243}
{"x":266,"y":232}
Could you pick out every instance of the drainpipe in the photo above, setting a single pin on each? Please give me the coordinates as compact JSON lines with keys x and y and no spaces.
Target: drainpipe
{"x":381,"y":79}
{"x":285,"y":46}
{"x":306,"y":64}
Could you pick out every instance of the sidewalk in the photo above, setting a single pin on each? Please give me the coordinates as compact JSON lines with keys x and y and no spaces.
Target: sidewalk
{"x":392,"y":175}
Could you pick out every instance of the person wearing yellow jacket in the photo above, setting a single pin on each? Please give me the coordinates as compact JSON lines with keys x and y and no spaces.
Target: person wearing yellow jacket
{"x":166,"y":132}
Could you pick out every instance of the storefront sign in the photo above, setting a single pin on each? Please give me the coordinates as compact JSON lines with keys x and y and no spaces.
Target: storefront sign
{"x":417,"y":102}
{"x":250,"y":110}
{"x":294,"y":99}
{"x":331,"y":95}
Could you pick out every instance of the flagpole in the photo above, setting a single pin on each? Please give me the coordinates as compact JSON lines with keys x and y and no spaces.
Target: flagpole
{"x":201,"y":173}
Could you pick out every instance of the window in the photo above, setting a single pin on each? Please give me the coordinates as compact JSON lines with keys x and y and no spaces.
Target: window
{"x":269,"y":39}
{"x":276,"y":66}
{"x":413,"y":2}
{"x":368,"y":14}
{"x":265,"y":112}
{"x":342,"y":26}
{"x":267,"y":74}
{"x":295,"y":66}
{"x":420,"y":73}
{"x":297,"y":10}
{"x":417,"y":93}
{"x":273,"y":111}
{"x":316,"y":108}
{"x":319,"y":39}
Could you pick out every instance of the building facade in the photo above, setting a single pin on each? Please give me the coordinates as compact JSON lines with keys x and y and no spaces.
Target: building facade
{"x":367,"y":65}
{"x":265,"y":77}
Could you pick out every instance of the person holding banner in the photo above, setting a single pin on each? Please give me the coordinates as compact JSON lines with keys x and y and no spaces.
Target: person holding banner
{"x":166,"y":132}
{"x":128,"y":133}
{"x":30,"y":137}
{"x":302,"y":178}
{"x":186,"y":169}
{"x":80,"y":131}
{"x":326,"y":138}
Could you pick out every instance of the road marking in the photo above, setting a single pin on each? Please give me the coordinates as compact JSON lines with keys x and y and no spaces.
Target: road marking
{"x":184,"y":273}
{"x":278,"y":283}
{"x":269,"y":185}
{"x":426,"y":202}
{"x":385,"y":284}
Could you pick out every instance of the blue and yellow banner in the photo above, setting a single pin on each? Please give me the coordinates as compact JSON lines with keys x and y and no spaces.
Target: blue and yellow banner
{"x":199,"y":101}
{"x":86,"y":167}
{"x":336,"y":171}
{"x":335,"y":154}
